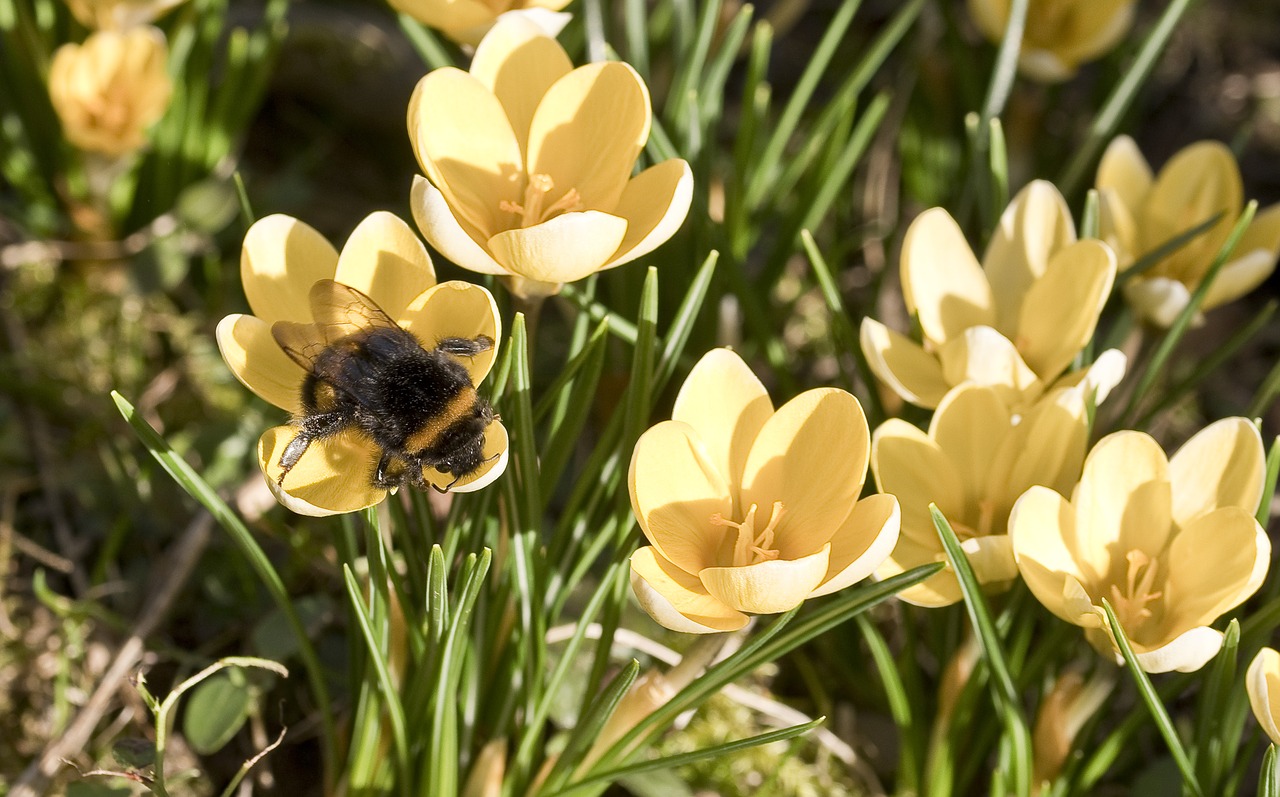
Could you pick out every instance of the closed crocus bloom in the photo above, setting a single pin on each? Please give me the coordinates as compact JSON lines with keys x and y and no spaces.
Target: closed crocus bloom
{"x":529,"y":164}
{"x":1015,"y":322}
{"x":1171,"y":543}
{"x":748,"y":510}
{"x":467,"y":21}
{"x":1060,"y":35}
{"x":282,"y":259}
{"x":978,"y":456}
{"x":110,"y":89}
{"x":1062,"y":715}
{"x":1263,"y":685}
{"x":1140,"y":211}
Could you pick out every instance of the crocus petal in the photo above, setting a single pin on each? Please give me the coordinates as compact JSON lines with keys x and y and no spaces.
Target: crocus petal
{"x":1239,"y":277}
{"x":725,"y":403}
{"x":675,"y":491}
{"x":456,"y":309}
{"x":1046,"y":447}
{"x":1100,"y":378}
{"x":909,"y":464}
{"x":1042,"y":531}
{"x":1036,"y":224}
{"x":1062,"y":308}
{"x":334,"y":476}
{"x":812,"y":456}
{"x":588,"y":131}
{"x":1123,"y":499}
{"x":940,"y":589}
{"x":447,"y":15}
{"x":447,"y":233}
{"x":1045,"y":66}
{"x":1124,"y":171}
{"x":495,"y":450}
{"x":259,"y":363}
{"x":1215,"y":563}
{"x":1199,"y":182}
{"x":1187,"y":653}
{"x":518,"y":62}
{"x":991,"y":558}
{"x":655,"y":203}
{"x":902,"y":364}
{"x":985,"y":357}
{"x":678,"y":600}
{"x":969,"y":426}
{"x":1262,"y":682}
{"x":862,"y":543}
{"x":384,"y":260}
{"x":566,"y":248}
{"x":1158,"y":300}
{"x":768,"y":587}
{"x":1221,"y":465}
{"x":941,"y":279}
{"x":1095,"y":28}
{"x":280,"y":260}
{"x":473,"y":157}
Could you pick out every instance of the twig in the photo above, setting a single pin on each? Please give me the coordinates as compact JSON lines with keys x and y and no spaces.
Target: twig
{"x":180,"y":560}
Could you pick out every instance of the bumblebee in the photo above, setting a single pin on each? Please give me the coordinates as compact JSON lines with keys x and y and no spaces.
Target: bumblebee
{"x":366,"y":372}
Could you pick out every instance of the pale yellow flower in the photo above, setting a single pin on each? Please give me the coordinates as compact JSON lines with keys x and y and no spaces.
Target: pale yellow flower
{"x":529,"y":164}
{"x":1262,"y":682}
{"x":979,"y":455}
{"x":119,"y":14}
{"x":748,"y":510}
{"x":281,"y":260}
{"x":1063,"y":713}
{"x":110,"y":89}
{"x":1171,"y":543}
{"x":1016,"y":321}
{"x":1060,"y":35}
{"x":1140,"y":211}
{"x":467,"y":21}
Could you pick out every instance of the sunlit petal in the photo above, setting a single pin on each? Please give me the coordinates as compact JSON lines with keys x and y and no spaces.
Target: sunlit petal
{"x":1062,"y":308}
{"x":384,"y":260}
{"x":727,"y":405}
{"x":495,"y":451}
{"x":456,"y":239}
{"x":334,"y":476}
{"x":1124,"y":171}
{"x":456,"y":309}
{"x":1215,"y":563}
{"x":566,"y":248}
{"x":676,"y":599}
{"x":1186,"y":653}
{"x":280,"y":260}
{"x":861,"y":544}
{"x":941,"y":279}
{"x":675,"y":492}
{"x":1221,"y":465}
{"x":1035,"y":225}
{"x":655,"y":203}
{"x":767,"y":587}
{"x":983,"y":356}
{"x":259,"y":363}
{"x":1262,"y":682}
{"x":518,"y":62}
{"x":902,"y":364}
{"x":1042,"y":531}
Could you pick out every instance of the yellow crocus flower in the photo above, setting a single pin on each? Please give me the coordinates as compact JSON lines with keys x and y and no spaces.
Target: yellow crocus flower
{"x":748,"y":510}
{"x":1171,"y":543}
{"x":281,"y":260}
{"x":1060,"y":35}
{"x":1140,"y":211}
{"x":1015,"y":321}
{"x":978,"y":456}
{"x":110,"y":89}
{"x":529,"y":164}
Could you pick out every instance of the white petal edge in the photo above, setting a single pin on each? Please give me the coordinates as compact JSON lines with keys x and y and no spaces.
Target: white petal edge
{"x":441,"y":229}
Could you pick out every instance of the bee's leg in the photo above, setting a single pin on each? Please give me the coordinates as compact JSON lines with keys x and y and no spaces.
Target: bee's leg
{"x":387,"y":475}
{"x":465,"y":347}
{"x":311,"y":428}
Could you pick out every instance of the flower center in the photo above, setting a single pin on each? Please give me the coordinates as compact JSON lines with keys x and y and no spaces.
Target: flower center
{"x":534,"y":209}
{"x":749,"y":547}
{"x":1131,"y":604}
{"x":983,"y":527}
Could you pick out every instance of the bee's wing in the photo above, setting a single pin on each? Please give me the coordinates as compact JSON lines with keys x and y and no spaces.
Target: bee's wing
{"x":340,"y":310}
{"x":302,"y":342}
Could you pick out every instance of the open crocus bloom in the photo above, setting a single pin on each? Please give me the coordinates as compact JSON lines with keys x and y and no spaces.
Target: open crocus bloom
{"x":1171,"y":543}
{"x":1139,"y":212}
{"x":281,"y":260}
{"x":1060,"y":34}
{"x":467,"y":21}
{"x":1015,"y":322}
{"x":977,"y":458}
{"x":529,"y":164}
{"x":1263,"y":685}
{"x":748,"y":510}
